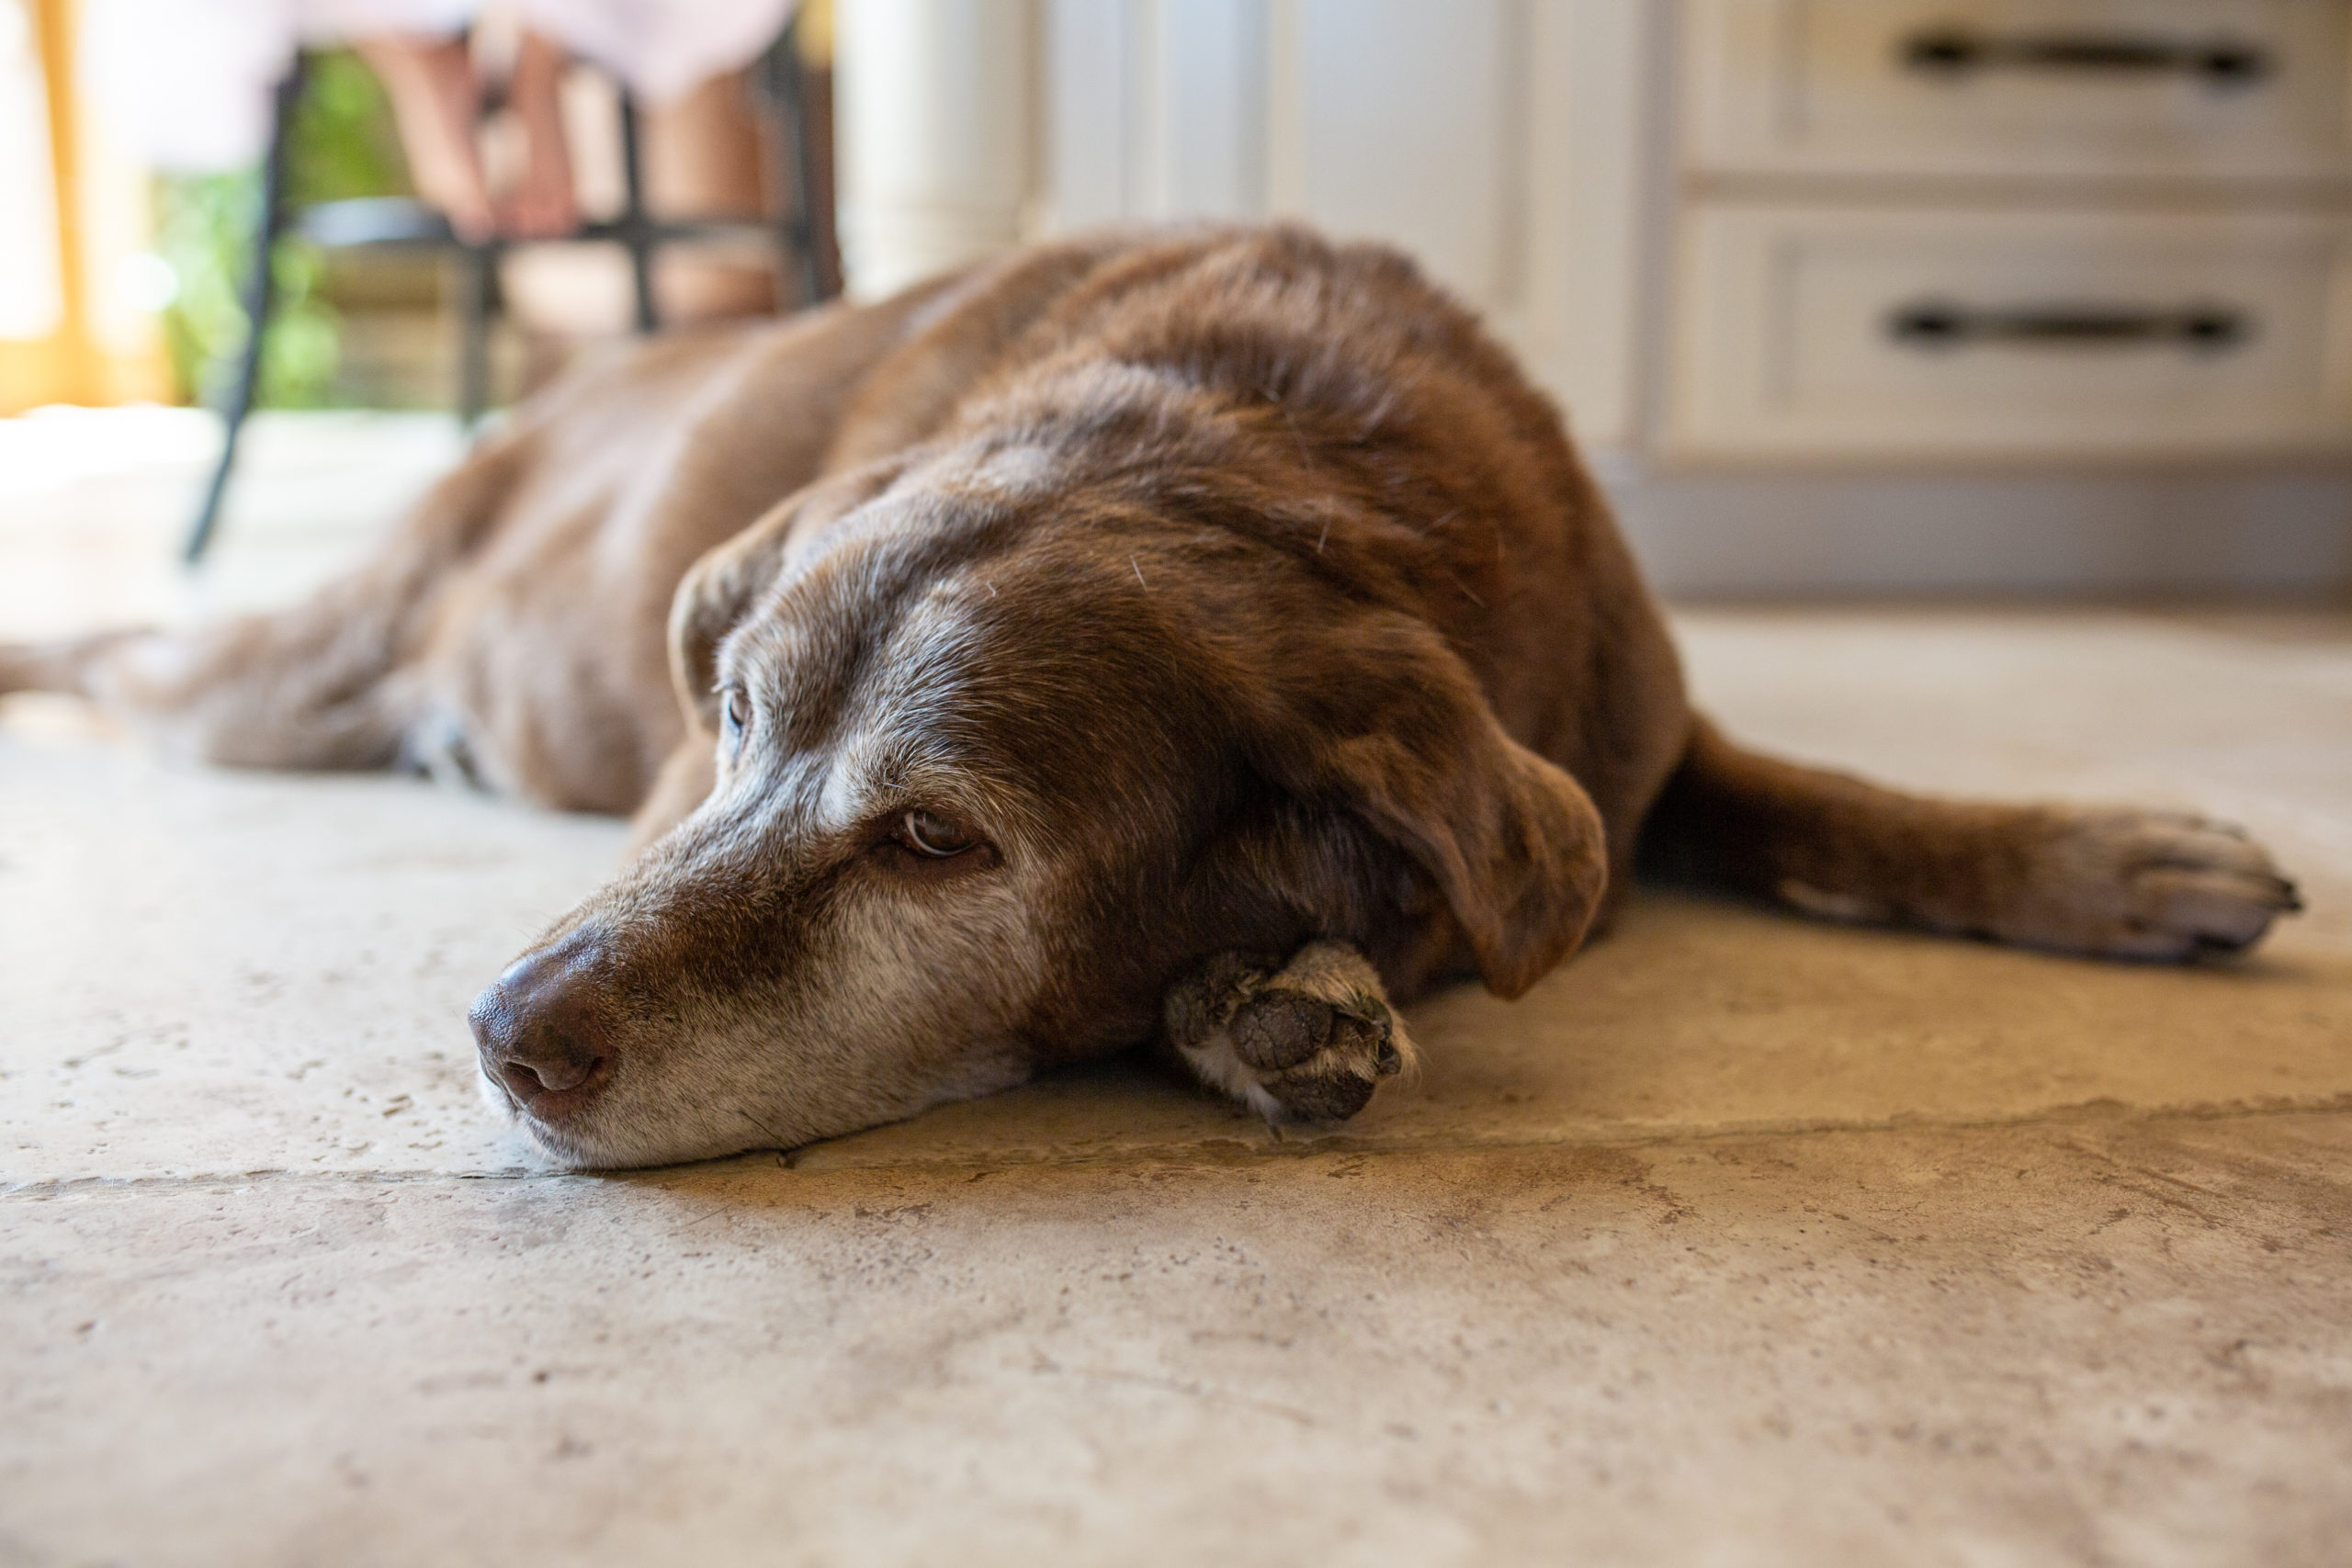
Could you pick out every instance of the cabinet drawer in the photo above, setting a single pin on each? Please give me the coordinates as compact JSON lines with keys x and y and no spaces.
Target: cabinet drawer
{"x":2021,"y":87}
{"x":1828,"y":332}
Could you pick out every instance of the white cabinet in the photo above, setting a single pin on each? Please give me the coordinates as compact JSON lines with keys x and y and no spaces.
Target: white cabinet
{"x":1981,"y":231}
{"x":1824,"y":332}
{"x":935,"y":118}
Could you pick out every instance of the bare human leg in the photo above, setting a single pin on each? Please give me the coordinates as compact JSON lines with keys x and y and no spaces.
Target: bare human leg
{"x":545,"y":203}
{"x":704,"y":158}
{"x":437,"y":101}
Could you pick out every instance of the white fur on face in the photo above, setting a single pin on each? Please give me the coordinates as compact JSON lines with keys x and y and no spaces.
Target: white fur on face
{"x":889,"y":993}
{"x":895,"y":996}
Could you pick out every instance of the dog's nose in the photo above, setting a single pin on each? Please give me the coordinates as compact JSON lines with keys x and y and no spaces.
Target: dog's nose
{"x":541,"y":1032}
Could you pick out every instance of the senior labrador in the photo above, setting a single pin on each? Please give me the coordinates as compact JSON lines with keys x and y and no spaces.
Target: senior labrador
{"x":1204,"y":635}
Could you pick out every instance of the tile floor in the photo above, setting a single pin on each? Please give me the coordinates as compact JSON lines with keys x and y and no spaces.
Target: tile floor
{"x":1740,"y":1240}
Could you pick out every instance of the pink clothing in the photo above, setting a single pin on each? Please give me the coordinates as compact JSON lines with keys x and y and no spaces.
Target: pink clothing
{"x":186,"y":83}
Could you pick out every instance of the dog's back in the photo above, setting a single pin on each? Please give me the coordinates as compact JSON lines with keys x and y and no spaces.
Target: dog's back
{"x":1329,"y":399}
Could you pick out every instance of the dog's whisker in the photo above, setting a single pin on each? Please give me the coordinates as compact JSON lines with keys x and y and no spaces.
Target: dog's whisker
{"x":781,"y":1141}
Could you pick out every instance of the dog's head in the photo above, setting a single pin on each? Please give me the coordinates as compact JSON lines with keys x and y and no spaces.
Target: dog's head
{"x":999,"y":755}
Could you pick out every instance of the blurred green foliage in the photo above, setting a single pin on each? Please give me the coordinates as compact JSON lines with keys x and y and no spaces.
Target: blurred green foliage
{"x":344,"y":145}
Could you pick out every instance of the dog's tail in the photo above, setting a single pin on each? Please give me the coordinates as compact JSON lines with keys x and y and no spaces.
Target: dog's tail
{"x":2113,"y":881}
{"x":62,"y":665}
{"x":33,"y":667}
{"x":314,"y":685}
{"x":297,"y":689}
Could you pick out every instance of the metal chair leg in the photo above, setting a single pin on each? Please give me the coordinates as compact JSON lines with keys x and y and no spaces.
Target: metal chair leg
{"x":477,"y":288}
{"x":636,"y":225}
{"x":799,"y":269}
{"x":259,"y":293}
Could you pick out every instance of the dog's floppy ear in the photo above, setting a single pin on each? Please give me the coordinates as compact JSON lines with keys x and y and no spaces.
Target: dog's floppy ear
{"x":719,"y":589}
{"x":1413,"y":749}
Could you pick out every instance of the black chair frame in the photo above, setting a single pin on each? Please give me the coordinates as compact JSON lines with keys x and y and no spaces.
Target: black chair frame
{"x":804,"y":277}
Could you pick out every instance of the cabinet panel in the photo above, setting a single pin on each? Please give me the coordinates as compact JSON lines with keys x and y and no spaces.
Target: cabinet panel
{"x":1397,"y":119}
{"x":2018,"y":87}
{"x":1827,"y":334}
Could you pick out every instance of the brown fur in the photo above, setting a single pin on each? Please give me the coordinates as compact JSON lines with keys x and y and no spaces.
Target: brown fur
{"x":1230,"y":588}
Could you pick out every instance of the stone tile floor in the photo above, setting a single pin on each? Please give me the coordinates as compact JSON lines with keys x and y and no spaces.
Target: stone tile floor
{"x":1741,"y":1240}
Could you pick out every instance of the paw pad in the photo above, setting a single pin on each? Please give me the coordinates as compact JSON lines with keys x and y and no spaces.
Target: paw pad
{"x":1319,"y":1060}
{"x":1310,"y":1041}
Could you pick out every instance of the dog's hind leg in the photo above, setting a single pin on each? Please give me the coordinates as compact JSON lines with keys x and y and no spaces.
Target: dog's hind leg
{"x":315,"y":685}
{"x":2113,"y":881}
{"x":1308,"y":1039}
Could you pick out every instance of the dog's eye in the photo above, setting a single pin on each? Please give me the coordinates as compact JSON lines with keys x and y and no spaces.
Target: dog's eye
{"x":933,"y":836}
{"x":735,"y":706}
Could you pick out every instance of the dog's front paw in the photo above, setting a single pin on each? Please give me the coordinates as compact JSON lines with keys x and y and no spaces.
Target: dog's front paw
{"x":2150,"y":884}
{"x":1308,"y":1042}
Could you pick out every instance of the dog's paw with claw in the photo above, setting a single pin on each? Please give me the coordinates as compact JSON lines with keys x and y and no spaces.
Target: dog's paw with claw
{"x":1308,"y":1042}
{"x":2162,"y":886}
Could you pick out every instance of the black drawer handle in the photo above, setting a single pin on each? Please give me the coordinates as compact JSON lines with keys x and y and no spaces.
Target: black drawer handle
{"x":1952,"y":51}
{"x":1940,"y":325}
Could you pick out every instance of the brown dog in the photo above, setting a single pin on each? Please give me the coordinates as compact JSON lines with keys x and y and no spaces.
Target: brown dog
{"x":1205,"y":635}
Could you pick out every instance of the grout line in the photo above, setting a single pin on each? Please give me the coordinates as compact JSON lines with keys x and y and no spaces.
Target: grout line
{"x":1223,"y":1151}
